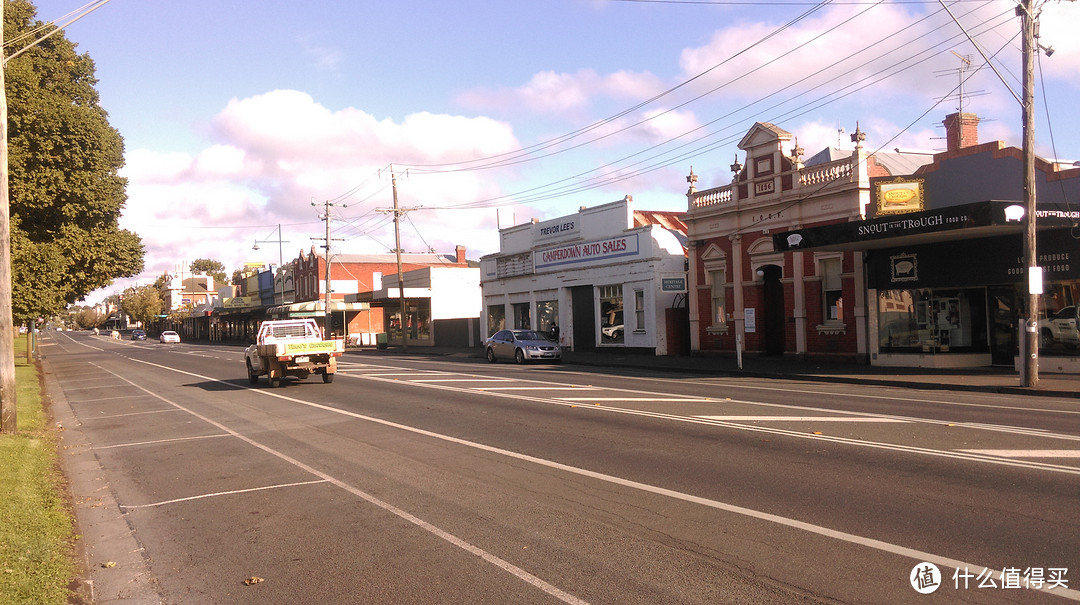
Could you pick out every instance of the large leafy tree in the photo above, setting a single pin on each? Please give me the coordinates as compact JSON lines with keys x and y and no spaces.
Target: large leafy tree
{"x":211,"y":267}
{"x":66,"y":193}
{"x":144,"y":303}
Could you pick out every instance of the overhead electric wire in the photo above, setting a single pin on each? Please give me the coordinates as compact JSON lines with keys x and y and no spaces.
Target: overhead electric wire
{"x":595,"y":125}
{"x":821,"y":101}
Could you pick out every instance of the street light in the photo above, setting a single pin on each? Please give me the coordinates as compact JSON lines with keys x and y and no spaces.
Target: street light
{"x":278,"y":241}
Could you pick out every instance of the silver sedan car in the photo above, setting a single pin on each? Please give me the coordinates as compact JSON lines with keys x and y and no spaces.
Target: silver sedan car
{"x":521,"y":346}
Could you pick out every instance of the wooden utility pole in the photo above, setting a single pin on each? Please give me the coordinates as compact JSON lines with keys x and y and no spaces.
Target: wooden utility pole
{"x":7,"y":328}
{"x":328,"y":317}
{"x":398,"y":213}
{"x":1029,"y":375}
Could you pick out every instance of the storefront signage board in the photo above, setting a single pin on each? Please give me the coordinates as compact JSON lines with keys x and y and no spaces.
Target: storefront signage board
{"x":560,"y":228}
{"x":587,"y":252}
{"x":673,"y":284}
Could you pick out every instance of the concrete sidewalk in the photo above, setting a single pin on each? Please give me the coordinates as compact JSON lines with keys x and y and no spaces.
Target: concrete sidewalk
{"x":988,"y":380}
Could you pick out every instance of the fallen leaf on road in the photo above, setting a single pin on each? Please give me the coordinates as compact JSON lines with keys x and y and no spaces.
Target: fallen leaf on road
{"x":253,"y":580}
{"x":109,"y":564}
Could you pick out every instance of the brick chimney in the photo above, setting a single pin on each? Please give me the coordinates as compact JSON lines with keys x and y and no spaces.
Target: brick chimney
{"x":460,"y":254}
{"x":961,"y":130}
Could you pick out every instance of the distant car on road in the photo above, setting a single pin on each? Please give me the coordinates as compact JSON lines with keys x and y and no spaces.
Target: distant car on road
{"x":138,"y":335}
{"x":169,"y":336}
{"x":521,"y":346}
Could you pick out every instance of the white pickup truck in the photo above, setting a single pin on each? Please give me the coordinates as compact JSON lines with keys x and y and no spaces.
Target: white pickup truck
{"x":292,"y":347}
{"x":1061,"y":327}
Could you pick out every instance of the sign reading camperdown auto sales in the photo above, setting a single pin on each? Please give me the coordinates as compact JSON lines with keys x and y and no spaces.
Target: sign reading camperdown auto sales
{"x":586,"y":252}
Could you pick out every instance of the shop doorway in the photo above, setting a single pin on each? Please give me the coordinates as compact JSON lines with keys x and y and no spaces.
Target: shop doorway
{"x":583,"y":308}
{"x":774,"y":322}
{"x":1005,"y":326}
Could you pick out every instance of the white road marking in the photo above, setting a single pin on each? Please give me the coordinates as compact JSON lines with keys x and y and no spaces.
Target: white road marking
{"x":460,"y":380}
{"x":432,"y":529}
{"x":801,"y":419}
{"x":109,"y":398}
{"x":126,"y":415}
{"x":216,"y":494}
{"x":550,"y":388}
{"x":160,"y":441}
{"x":1028,"y":453}
{"x":755,"y":514}
{"x":659,"y":399}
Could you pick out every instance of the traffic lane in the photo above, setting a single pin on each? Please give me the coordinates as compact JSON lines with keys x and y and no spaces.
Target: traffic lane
{"x":834,"y":559}
{"x":984,"y":509}
{"x":300,"y":390}
{"x":182,"y":506}
{"x":190,"y":503}
{"x":1042,"y":413}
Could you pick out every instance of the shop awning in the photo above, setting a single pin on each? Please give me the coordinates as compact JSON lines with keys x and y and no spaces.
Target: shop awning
{"x":314,"y":309}
{"x":966,"y":221}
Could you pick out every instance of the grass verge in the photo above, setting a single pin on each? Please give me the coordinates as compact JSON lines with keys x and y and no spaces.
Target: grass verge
{"x":36,"y":528}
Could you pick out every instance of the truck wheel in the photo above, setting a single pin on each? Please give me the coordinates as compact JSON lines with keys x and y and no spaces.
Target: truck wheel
{"x":327,"y":377}
{"x":253,"y":378}
{"x":1046,"y":338}
{"x":275,"y":381}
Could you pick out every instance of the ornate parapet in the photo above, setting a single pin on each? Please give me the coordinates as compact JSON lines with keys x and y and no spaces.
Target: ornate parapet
{"x":839,"y":172}
{"x":711,"y":197}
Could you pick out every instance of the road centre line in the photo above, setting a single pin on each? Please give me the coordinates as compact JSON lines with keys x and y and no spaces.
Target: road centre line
{"x":717,"y":383}
{"x":461,"y":380}
{"x":214,"y":495}
{"x":386,"y":506}
{"x":801,"y":419}
{"x":715,"y":504}
{"x":548,"y":388}
{"x":656,"y":399}
{"x":778,"y":431}
{"x":1028,"y":453}
{"x":158,"y":442}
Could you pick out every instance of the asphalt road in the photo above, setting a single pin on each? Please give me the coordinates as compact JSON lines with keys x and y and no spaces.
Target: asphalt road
{"x":415,"y":480}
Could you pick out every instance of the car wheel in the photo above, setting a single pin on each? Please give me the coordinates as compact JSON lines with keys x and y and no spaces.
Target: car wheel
{"x":491,"y":355}
{"x":1046,"y":338}
{"x":519,"y":356}
{"x":253,"y":378}
{"x":327,"y":377}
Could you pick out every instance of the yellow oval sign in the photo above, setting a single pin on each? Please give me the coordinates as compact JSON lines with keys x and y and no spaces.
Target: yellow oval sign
{"x":899,"y":196}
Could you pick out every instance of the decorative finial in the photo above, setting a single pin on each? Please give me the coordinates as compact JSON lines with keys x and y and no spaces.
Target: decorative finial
{"x":691,"y":178}
{"x":796,"y":151}
{"x":858,"y":136}
{"x":736,"y":167}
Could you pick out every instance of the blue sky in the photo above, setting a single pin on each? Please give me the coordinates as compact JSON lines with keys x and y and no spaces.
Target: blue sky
{"x":237,"y":115}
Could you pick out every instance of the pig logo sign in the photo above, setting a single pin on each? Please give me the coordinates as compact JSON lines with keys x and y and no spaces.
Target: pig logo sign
{"x":905,"y":267}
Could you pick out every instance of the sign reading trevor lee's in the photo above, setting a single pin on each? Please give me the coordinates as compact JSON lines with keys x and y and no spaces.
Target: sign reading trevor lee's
{"x":586,"y":252}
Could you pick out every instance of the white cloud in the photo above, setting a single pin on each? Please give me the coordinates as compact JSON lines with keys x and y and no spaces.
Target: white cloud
{"x":274,"y":152}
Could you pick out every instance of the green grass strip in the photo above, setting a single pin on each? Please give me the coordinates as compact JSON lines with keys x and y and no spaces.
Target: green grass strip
{"x":36,"y":527}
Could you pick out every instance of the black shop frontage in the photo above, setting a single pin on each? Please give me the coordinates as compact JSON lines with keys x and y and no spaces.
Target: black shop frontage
{"x":947,"y":287}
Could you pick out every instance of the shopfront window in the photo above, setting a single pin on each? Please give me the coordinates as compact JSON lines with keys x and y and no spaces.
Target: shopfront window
{"x":719,"y":313}
{"x":547,"y":317}
{"x":932,"y":321}
{"x":522,"y":316}
{"x":832,"y":288}
{"x":611,"y":315}
{"x":496,"y":318}
{"x":639,"y":310}
{"x":1058,"y":318}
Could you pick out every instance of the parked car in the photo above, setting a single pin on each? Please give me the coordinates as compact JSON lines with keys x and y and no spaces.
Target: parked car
{"x":1061,"y":327}
{"x":138,"y":335}
{"x":521,"y":346}
{"x":169,"y":336}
